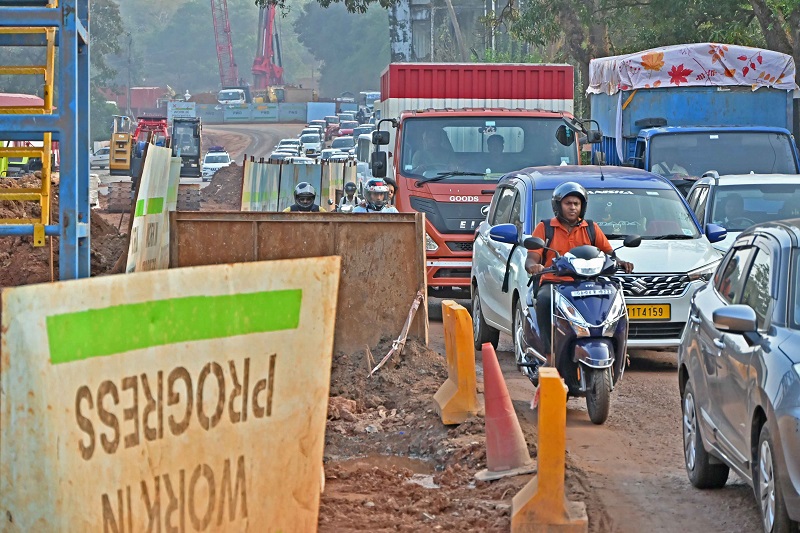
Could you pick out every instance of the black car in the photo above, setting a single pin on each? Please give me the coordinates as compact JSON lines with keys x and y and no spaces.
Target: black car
{"x":739,"y":373}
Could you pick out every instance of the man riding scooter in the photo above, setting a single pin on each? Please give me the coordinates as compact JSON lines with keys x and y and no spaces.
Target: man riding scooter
{"x":569,"y":229}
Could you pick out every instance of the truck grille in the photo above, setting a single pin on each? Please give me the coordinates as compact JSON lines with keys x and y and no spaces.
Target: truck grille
{"x":653,"y":286}
{"x":460,"y":246}
{"x":450,"y":217}
{"x":655,"y":330}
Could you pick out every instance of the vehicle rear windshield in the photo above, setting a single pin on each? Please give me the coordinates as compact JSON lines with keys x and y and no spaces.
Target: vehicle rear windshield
{"x":737,"y":207}
{"x":348,"y":124}
{"x":310,"y":138}
{"x":343,"y":142}
{"x":651,"y":213}
{"x":489,"y":147}
{"x":694,"y":153}
{"x":216,"y":159}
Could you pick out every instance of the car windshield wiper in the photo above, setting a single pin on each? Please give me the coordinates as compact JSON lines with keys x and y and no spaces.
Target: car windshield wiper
{"x":444,"y":175}
{"x":671,"y":236}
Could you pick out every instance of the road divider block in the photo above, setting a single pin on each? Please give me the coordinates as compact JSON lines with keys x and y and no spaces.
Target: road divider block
{"x":457,"y":399}
{"x":191,"y":399}
{"x":541,"y":505}
{"x":506,"y":449}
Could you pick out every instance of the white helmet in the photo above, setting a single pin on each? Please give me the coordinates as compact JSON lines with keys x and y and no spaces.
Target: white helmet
{"x":376,"y":194}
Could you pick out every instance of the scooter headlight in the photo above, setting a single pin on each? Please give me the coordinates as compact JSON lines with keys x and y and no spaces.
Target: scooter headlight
{"x":616,"y":312}
{"x":587,"y":267}
{"x":576,"y":320}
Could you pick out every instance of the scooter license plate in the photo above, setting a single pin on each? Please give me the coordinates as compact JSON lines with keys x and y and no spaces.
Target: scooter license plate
{"x":649,"y":312}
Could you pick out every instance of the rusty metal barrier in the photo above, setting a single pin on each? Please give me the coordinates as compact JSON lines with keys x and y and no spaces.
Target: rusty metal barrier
{"x":383,"y":260}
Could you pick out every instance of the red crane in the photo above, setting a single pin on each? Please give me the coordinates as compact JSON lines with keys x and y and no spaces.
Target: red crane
{"x":228,"y":71}
{"x":267,"y":69}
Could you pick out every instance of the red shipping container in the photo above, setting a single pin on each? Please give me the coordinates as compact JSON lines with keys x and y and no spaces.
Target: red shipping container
{"x":490,"y":81}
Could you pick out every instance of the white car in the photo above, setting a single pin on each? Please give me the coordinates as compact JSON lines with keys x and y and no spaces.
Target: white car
{"x":674,"y":259}
{"x":289,"y":144}
{"x":214,"y":161}
{"x":312,"y":144}
{"x":100,"y":158}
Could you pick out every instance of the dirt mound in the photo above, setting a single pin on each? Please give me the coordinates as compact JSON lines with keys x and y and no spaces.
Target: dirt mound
{"x":225,"y":190}
{"x":22,"y":264}
{"x":392,"y":414}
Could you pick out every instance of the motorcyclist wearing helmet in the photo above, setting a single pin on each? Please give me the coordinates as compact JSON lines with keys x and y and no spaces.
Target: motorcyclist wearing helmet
{"x":376,"y":198}
{"x":349,"y":201}
{"x":304,"y":196}
{"x":569,"y":203}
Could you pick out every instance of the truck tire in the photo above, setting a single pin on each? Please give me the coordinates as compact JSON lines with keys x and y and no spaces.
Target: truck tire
{"x":481,"y":331}
{"x":702,"y":473}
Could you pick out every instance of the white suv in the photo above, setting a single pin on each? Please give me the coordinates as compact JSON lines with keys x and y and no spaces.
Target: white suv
{"x":213,"y":161}
{"x":674,"y":259}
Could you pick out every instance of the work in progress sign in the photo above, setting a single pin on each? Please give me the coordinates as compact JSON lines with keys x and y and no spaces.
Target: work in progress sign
{"x":181,"y":400}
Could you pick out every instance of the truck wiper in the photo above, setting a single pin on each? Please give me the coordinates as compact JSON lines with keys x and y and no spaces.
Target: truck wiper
{"x":444,"y":175}
{"x":672,"y":236}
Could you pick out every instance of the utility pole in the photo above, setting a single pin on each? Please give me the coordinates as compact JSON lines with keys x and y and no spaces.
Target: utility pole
{"x":128,"y":96}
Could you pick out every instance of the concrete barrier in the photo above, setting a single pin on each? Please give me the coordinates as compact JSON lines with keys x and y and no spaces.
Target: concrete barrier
{"x":181,"y":400}
{"x":383,"y":260}
{"x":457,"y":398}
{"x":541,"y":505}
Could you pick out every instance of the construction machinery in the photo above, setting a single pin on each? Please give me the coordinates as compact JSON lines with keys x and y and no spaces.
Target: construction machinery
{"x":119,"y":163}
{"x":186,"y":137}
{"x":267,"y":66}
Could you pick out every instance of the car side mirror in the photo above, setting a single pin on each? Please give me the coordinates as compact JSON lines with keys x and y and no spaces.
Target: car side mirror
{"x":715,"y":233}
{"x":735,"y":319}
{"x":533,"y":243}
{"x":505,"y":233}
{"x":380,"y":138}
{"x":632,"y":241}
{"x":378,"y":163}
{"x":564,"y":135}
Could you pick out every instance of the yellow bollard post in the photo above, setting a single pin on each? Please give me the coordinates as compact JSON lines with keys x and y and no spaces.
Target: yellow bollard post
{"x":457,"y":399}
{"x":541,"y":505}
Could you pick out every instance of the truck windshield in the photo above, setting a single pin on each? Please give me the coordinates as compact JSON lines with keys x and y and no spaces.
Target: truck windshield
{"x":226,"y":96}
{"x":694,"y":153}
{"x":652,"y":213}
{"x":485,"y":147}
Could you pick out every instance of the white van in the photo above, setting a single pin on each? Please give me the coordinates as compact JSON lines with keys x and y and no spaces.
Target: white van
{"x":231,"y":96}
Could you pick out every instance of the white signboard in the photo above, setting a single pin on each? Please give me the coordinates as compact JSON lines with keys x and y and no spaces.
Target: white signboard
{"x":181,"y":110}
{"x":181,"y":400}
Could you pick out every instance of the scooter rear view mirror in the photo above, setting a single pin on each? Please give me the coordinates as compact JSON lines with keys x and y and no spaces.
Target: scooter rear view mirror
{"x":533,"y":243}
{"x":632,"y":241}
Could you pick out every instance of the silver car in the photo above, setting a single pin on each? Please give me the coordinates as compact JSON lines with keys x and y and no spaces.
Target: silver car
{"x":739,"y":373}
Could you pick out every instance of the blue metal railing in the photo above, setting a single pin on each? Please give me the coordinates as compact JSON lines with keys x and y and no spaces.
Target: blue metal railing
{"x":69,"y":123}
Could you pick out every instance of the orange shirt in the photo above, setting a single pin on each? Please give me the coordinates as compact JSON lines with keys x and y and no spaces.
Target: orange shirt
{"x":563,"y":242}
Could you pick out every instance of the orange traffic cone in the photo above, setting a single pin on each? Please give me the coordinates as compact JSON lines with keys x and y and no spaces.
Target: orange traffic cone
{"x":506,"y":449}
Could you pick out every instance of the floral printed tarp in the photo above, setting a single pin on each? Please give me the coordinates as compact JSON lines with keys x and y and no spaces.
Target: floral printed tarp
{"x":699,"y":64}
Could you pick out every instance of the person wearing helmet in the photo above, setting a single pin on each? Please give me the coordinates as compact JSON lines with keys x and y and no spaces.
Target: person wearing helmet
{"x":376,"y":198}
{"x":349,"y":201}
{"x":568,"y":230}
{"x":304,"y":196}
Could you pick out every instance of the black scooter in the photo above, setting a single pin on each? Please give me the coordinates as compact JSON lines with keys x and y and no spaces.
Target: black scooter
{"x":589,"y":332}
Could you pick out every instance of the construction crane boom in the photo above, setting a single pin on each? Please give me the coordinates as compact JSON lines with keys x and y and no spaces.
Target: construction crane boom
{"x":267,"y":66}
{"x":228,"y":70}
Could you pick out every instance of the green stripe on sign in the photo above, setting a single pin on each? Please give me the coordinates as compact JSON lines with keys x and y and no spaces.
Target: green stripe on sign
{"x":122,"y":328}
{"x":155,"y":206}
{"x":139,"y":208}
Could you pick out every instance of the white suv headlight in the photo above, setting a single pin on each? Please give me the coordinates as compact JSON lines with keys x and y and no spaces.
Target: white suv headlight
{"x":797,"y":369}
{"x":704,"y":273}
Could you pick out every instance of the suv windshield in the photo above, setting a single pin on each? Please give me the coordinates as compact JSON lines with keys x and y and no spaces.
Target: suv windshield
{"x":651,"y":213}
{"x":694,"y":153}
{"x":486,"y":148}
{"x":214,"y":158}
{"x":737,"y":207}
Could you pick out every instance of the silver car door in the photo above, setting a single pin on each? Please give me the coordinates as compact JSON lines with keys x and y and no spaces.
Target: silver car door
{"x":494,"y":309}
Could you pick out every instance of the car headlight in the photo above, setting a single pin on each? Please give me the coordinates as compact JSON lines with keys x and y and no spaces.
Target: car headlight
{"x":704,"y":273}
{"x":576,"y":320}
{"x":797,"y":369}
{"x":430,"y":244}
{"x":616,"y":312}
